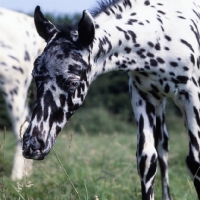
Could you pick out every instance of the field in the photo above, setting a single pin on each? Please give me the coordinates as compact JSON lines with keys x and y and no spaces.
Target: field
{"x":101,"y":165}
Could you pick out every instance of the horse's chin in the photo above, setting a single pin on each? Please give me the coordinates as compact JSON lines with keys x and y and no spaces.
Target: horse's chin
{"x":35,"y":155}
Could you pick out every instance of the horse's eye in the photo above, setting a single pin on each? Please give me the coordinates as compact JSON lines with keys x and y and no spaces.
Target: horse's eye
{"x":74,"y":84}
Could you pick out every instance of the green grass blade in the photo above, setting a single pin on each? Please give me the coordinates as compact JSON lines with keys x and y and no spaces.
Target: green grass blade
{"x":87,"y":198}
{"x":66,"y":174}
{"x":17,"y":192}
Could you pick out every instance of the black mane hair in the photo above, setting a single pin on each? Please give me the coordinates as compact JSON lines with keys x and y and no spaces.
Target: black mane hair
{"x":65,"y":29}
{"x":102,"y":6}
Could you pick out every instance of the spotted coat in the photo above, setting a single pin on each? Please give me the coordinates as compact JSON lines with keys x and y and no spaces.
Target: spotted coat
{"x":19,"y":46}
{"x":157,"y":42}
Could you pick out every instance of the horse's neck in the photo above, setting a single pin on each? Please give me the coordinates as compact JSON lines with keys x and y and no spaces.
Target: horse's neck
{"x":113,"y":39}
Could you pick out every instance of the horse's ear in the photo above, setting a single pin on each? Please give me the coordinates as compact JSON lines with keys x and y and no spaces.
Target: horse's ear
{"x":44,"y":27}
{"x":86,"y":29}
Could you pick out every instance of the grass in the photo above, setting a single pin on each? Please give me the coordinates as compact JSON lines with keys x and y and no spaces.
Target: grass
{"x":102,"y":165}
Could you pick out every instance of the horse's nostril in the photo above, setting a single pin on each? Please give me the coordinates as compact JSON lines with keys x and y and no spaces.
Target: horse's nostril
{"x":37,"y":144}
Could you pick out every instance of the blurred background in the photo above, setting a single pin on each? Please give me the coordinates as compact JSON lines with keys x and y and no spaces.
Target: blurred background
{"x":58,"y":7}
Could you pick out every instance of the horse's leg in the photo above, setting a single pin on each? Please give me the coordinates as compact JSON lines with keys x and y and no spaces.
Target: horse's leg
{"x":15,"y":98}
{"x":161,"y":144}
{"x":145,"y":117}
{"x":189,"y":102}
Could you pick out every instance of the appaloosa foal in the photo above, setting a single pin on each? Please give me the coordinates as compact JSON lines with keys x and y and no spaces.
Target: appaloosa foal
{"x":157,"y":42}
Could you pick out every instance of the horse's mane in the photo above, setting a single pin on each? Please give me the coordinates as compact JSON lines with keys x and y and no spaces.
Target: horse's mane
{"x":102,"y":6}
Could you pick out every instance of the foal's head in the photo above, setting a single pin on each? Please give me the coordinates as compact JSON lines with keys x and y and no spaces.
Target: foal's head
{"x":60,"y":74}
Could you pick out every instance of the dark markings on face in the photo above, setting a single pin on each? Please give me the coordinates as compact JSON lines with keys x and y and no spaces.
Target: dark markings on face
{"x":62,"y":100}
{"x":36,"y":132}
{"x":41,"y":127}
{"x":37,"y":112}
{"x":53,"y":87}
{"x":58,"y":129}
{"x":58,"y":114}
